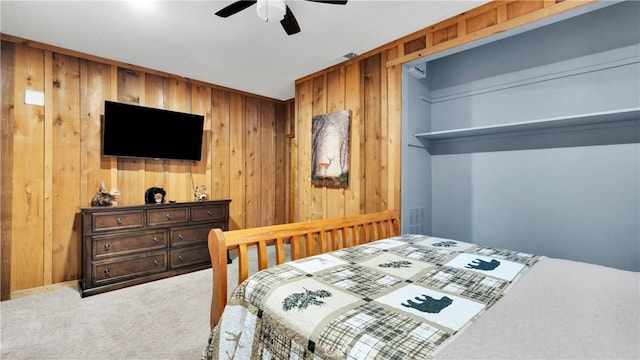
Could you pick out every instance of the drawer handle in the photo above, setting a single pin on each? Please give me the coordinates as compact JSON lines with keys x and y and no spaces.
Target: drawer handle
{"x":107,"y":247}
{"x":155,"y":262}
{"x":106,"y":272}
{"x":156,"y":240}
{"x":180,"y":258}
{"x":168,"y":216}
{"x":209,"y":212}
{"x":119,"y":221}
{"x":180,"y":237}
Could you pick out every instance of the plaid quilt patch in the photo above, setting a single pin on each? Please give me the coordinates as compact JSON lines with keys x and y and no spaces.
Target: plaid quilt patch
{"x":373,"y":331}
{"x":466,"y":283}
{"x":361,"y":280}
{"x":257,"y":286}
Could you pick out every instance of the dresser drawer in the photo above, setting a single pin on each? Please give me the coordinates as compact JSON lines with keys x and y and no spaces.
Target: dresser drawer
{"x":209,"y":213}
{"x":189,"y":256}
{"x":167,"y":216}
{"x":129,"y":267}
{"x":191,"y":234}
{"x":123,"y":244}
{"x":117,"y":220}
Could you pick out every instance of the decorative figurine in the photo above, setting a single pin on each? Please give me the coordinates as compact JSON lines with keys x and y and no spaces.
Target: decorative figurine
{"x":154,"y":195}
{"x":103,"y":198}
{"x":115,"y":193}
{"x":200,"y":195}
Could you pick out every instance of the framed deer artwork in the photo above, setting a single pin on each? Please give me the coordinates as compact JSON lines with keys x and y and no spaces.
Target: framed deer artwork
{"x":330,"y":149}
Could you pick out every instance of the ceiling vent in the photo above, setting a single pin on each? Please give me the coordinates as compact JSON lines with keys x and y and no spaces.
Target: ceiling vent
{"x":350,"y":55}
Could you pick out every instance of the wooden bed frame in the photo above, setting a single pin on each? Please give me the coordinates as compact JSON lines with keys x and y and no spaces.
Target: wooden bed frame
{"x":305,"y":238}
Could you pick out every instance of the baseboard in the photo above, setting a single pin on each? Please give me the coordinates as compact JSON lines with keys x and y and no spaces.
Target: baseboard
{"x":41,"y":289}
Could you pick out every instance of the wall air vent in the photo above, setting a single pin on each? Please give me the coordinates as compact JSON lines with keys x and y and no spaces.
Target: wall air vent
{"x":418,"y":71}
{"x":417,"y":221}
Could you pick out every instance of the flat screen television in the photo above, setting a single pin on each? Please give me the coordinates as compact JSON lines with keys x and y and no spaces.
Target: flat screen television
{"x":134,"y":131}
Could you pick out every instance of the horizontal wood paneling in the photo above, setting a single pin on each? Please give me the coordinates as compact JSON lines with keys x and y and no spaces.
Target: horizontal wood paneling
{"x":486,"y":20}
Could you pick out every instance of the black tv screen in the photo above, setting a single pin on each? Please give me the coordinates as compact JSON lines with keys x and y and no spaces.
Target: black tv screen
{"x":142,"y":132}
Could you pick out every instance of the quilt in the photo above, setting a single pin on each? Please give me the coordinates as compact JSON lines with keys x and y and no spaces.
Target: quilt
{"x":397,"y":298}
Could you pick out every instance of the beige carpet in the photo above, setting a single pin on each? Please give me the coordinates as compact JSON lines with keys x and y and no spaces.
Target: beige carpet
{"x":164,"y":319}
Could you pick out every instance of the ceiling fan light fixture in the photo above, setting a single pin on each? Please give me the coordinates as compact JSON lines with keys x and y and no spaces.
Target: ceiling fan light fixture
{"x":271,"y":10}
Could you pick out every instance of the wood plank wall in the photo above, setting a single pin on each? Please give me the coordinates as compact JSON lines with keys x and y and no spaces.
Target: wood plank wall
{"x":371,"y":87}
{"x":52,"y":153}
{"x":257,"y":150}
{"x":356,"y":87}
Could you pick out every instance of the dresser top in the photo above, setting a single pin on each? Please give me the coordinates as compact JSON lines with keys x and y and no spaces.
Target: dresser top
{"x":166,"y":205}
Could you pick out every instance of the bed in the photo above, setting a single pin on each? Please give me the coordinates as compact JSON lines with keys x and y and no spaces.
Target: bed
{"x":355,"y":288}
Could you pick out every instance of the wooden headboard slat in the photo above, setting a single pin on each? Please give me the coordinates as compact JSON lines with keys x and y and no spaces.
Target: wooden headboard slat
{"x":367,"y":231}
{"x":243,"y":261}
{"x":262,"y":256}
{"x":335,"y":241}
{"x":280,"y":255}
{"x":310,"y":248}
{"x":343,"y":239}
{"x":295,"y":248}
{"x":306,"y":239}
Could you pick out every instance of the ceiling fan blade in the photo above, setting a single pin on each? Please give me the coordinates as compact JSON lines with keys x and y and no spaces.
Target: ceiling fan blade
{"x":334,"y":2}
{"x":235,"y":7}
{"x":289,"y":23}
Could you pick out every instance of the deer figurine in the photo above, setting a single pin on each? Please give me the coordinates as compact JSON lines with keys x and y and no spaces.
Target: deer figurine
{"x":200,"y":195}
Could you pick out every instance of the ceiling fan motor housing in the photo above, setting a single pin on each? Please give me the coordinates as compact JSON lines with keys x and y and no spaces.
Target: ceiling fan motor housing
{"x":271,"y":10}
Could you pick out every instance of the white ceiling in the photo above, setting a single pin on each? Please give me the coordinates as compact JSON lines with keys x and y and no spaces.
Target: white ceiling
{"x":242,"y":52}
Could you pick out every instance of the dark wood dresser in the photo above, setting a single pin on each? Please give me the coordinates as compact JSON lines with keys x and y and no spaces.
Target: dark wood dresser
{"x":130,"y":245}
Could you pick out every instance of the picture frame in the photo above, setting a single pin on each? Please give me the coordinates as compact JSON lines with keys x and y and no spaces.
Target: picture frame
{"x":330,"y":149}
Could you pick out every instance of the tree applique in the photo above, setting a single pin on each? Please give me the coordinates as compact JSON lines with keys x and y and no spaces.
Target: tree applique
{"x":428,"y":304}
{"x":303,"y":300}
{"x":396,"y":264}
{"x":446,"y":243}
{"x":480,"y":264}
{"x":235,"y":338}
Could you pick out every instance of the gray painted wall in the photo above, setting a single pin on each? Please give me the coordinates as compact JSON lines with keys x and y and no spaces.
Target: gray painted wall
{"x":579,"y":203}
{"x":571,"y":193}
{"x":416,"y":161}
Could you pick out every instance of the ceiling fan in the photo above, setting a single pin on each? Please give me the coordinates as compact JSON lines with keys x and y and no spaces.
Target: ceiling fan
{"x":272,"y":10}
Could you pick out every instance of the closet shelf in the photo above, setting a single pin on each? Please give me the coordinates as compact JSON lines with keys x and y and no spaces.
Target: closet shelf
{"x":558,"y":122}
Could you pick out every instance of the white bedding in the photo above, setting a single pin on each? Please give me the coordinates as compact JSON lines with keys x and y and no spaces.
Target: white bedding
{"x":561,"y":309}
